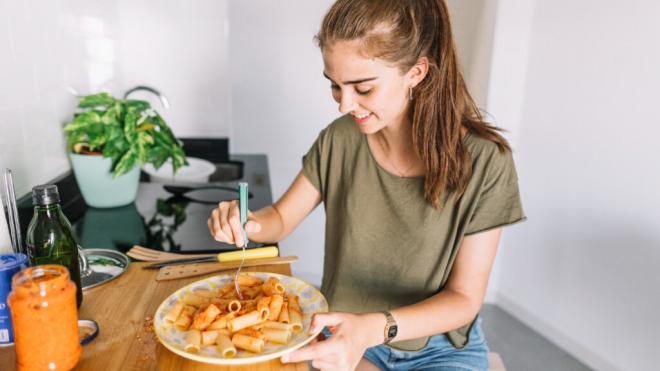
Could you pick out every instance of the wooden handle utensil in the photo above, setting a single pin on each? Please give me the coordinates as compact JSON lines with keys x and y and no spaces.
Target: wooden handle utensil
{"x":198,"y":269}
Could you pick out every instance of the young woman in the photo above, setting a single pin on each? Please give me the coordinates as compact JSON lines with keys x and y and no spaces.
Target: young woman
{"x":415,"y":185}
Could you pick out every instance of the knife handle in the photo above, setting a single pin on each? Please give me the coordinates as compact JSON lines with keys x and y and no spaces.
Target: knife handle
{"x":256,"y":253}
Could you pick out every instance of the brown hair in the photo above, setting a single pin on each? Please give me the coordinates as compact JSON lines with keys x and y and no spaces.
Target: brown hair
{"x":402,"y":32}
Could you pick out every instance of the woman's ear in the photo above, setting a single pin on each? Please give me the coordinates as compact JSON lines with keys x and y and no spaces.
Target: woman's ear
{"x":418,"y":71}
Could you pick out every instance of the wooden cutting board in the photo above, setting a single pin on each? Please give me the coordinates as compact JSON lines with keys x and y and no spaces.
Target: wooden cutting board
{"x":174,"y":272}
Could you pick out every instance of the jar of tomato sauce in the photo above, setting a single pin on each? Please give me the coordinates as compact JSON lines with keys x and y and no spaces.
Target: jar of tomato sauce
{"x":44,"y":315}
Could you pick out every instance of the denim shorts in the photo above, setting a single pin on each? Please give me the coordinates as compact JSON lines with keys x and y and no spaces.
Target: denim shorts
{"x":439,"y":354}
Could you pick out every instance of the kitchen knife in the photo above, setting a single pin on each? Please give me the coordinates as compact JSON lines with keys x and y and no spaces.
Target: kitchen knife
{"x":223,"y":257}
{"x":192,"y":270}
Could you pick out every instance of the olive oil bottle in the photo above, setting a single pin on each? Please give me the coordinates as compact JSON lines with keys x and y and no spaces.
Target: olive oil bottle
{"x":50,"y":238}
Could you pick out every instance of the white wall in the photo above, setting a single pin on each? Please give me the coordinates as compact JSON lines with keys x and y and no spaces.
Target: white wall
{"x":583,"y":269}
{"x":46,"y":46}
{"x":280,"y":102}
{"x":473,"y":25}
{"x":181,"y":49}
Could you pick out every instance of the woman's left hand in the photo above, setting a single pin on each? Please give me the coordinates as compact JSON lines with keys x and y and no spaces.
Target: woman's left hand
{"x":352,"y":334}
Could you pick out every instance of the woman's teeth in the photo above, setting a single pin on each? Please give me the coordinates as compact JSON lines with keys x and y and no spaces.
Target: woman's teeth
{"x":363,"y":115}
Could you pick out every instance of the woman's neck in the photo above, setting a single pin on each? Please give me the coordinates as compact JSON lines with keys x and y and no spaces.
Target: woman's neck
{"x":396,"y":140}
{"x":393,"y":149}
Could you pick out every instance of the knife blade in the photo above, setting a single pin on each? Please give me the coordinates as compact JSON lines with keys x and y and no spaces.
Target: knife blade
{"x":192,"y":270}
{"x":223,"y":257}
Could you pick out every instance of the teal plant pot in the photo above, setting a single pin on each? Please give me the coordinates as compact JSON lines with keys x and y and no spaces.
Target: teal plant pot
{"x":98,"y":185}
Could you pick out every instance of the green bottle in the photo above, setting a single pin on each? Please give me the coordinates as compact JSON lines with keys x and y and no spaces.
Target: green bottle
{"x":50,"y":238}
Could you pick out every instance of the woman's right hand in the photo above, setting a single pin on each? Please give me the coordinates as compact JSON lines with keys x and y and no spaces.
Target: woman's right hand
{"x":225,"y":223}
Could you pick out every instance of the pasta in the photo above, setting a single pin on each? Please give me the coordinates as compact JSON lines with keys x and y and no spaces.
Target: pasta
{"x":295,"y":313}
{"x":275,"y":306}
{"x":193,"y":341}
{"x":173,"y":313}
{"x":264,"y":314}
{"x":225,"y":346}
{"x":284,"y":313}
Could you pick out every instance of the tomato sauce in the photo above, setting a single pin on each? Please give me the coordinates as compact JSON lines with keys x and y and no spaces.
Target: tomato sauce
{"x":45,"y":319}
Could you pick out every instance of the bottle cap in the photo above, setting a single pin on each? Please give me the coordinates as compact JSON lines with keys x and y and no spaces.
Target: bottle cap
{"x":44,"y":195}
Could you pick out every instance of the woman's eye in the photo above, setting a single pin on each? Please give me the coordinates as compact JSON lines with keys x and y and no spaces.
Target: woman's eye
{"x":334,"y":87}
{"x":363,"y":91}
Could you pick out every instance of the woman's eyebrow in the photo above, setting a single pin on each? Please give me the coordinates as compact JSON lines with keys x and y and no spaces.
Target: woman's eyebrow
{"x":359,"y":81}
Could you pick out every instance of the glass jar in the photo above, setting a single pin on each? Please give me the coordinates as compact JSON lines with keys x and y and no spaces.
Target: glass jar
{"x":45,"y":318}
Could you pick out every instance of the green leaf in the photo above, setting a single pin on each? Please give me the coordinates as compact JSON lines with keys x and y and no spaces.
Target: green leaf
{"x":137,"y":105}
{"x":129,"y":132}
{"x":100,"y":99}
{"x":126,"y":163}
{"x":163,"y":208}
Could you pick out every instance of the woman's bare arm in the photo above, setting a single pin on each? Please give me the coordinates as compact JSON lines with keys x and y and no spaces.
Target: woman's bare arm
{"x":460,"y":300}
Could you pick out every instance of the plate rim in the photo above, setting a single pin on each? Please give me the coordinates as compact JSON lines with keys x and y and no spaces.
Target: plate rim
{"x":117,"y":255}
{"x":233,"y":361}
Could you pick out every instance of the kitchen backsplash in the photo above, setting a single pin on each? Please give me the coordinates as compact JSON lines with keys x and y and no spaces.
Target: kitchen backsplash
{"x":50,"y":49}
{"x":45,"y":47}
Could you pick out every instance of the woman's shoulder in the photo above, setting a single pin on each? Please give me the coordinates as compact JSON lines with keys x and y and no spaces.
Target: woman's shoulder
{"x":485,"y":152}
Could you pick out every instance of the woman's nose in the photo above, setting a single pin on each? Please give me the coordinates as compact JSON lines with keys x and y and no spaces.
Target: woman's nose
{"x":346,"y":103}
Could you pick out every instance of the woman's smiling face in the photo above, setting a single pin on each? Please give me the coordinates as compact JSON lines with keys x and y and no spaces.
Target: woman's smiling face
{"x":373,"y":92}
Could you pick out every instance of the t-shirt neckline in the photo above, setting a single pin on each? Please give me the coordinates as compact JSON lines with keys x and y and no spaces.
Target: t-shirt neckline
{"x":382,"y":169}
{"x":467,"y":136}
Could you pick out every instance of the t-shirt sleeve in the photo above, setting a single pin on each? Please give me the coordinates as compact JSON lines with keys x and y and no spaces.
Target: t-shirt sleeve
{"x":315,"y":162}
{"x":499,"y":202}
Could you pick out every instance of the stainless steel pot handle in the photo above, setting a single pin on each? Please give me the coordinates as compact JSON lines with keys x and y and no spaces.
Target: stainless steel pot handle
{"x":85,"y":270}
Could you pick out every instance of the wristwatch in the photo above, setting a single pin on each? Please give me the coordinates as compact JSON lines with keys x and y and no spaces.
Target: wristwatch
{"x":390,"y":327}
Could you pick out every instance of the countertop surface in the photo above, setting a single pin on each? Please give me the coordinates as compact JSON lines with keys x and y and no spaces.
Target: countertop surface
{"x":124,"y":309}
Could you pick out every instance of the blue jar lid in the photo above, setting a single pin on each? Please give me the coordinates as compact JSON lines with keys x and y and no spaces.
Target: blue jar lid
{"x":12,"y":261}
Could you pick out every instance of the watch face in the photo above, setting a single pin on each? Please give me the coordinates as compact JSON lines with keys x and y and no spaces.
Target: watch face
{"x":391,"y":332}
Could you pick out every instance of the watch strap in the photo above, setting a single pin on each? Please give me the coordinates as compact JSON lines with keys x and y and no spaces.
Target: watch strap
{"x":391,"y":327}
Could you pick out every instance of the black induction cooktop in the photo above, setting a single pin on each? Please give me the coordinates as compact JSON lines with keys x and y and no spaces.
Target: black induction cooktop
{"x":162,"y":219}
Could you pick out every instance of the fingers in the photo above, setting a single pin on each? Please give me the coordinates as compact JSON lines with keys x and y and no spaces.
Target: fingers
{"x":219,"y":223}
{"x":319,"y":337}
{"x":319,"y":364}
{"x":215,"y":232}
{"x":225,"y":223}
{"x":313,"y":351}
{"x":223,"y":211}
{"x":234,"y":219}
{"x":215,"y":227}
{"x":320,"y":320}
{"x":252,"y":227}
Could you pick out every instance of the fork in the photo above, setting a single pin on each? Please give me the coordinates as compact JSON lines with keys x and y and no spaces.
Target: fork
{"x":243,"y":205}
{"x":151,"y":255}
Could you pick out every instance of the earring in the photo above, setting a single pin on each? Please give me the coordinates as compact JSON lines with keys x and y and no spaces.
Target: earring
{"x":410,"y":92}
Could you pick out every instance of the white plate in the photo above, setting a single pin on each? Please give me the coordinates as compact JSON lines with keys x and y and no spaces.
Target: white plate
{"x":197,"y":171}
{"x":311,"y":301}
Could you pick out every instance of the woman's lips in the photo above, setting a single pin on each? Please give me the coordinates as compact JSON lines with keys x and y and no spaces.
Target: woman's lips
{"x":363,"y":120}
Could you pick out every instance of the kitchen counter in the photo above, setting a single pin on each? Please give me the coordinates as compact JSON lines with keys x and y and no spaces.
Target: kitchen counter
{"x":124,"y":309}
{"x":158,"y":219}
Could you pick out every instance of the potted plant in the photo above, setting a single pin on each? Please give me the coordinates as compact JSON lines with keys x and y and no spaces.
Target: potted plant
{"x":109,"y":140}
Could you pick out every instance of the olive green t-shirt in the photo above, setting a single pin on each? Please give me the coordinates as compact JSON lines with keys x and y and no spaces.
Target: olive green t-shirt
{"x":385,"y":245}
